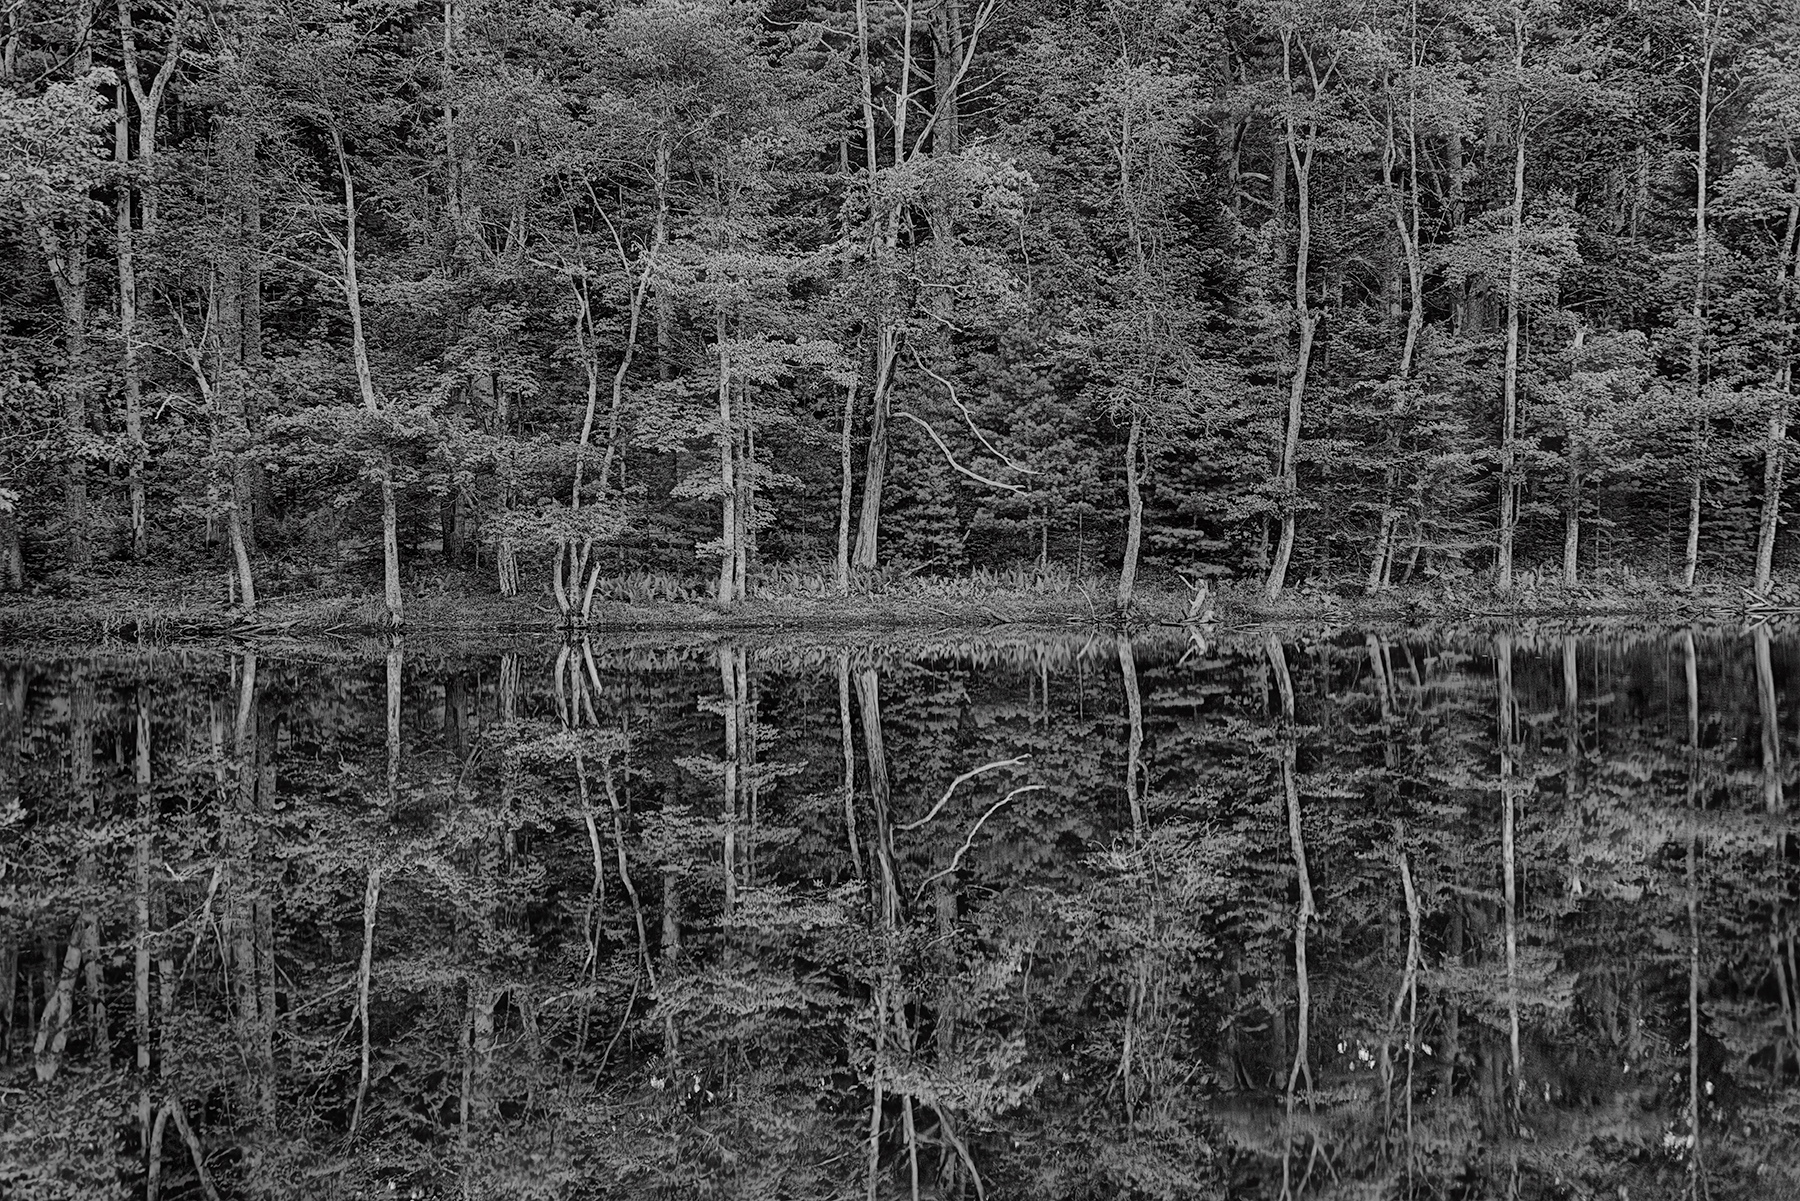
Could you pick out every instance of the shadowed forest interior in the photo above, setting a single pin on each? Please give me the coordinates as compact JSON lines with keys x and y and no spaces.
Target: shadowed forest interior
{"x":721,"y":297}
{"x":1486,"y":915}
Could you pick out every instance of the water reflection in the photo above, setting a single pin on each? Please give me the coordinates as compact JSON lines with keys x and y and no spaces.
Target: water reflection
{"x":1480,"y":915}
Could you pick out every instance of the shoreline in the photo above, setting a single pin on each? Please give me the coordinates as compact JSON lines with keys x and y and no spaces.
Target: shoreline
{"x":154,"y":615}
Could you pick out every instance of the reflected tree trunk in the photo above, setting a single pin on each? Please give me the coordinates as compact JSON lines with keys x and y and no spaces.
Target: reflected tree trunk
{"x":731,"y":676}
{"x":1696,"y":1114}
{"x":868,"y":694}
{"x":1134,"y":746}
{"x":246,"y":908}
{"x":848,"y":744}
{"x":396,"y":665}
{"x":1508,"y":723}
{"x":1304,"y":911}
{"x":1768,"y":708}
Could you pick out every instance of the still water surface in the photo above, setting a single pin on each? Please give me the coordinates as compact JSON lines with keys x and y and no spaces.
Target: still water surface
{"x":1436,"y":915}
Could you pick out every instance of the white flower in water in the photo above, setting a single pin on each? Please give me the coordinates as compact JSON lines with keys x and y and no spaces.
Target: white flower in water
{"x":1342,"y":1047}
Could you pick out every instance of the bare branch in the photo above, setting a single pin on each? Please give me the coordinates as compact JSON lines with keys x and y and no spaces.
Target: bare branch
{"x":956,"y":860}
{"x":980,"y":437}
{"x":951,"y":459}
{"x":962,"y":779}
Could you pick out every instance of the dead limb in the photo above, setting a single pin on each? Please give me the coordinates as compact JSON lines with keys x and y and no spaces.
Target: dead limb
{"x":956,"y":860}
{"x":951,"y":458}
{"x":980,"y":437}
{"x":962,"y":779}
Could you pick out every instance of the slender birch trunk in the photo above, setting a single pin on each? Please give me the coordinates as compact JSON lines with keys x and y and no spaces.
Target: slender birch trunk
{"x":1509,"y":420}
{"x":728,"y":487}
{"x":1775,"y":453}
{"x":1697,"y":349}
{"x":1300,"y":158}
{"x":845,"y":486}
{"x":1405,"y":205}
{"x":365,"y":380}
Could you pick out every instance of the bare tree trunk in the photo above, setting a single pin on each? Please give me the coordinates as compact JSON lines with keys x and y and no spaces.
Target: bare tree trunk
{"x":12,"y":556}
{"x":1406,"y":225}
{"x":365,"y":379}
{"x":364,"y":975}
{"x":148,"y":100}
{"x":129,"y":366}
{"x":883,"y":235}
{"x":731,"y":677}
{"x":868,"y":693}
{"x":844,"y":490}
{"x":1775,"y":453}
{"x":1572,"y":518}
{"x":1697,"y":349}
{"x":1509,"y":420}
{"x":1306,"y":323}
{"x":728,"y":488}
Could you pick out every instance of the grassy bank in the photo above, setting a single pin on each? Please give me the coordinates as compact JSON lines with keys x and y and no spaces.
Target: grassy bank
{"x":145,"y":607}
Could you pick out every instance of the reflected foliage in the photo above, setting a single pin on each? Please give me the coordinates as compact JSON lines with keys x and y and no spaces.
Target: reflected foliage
{"x":1366,"y":915}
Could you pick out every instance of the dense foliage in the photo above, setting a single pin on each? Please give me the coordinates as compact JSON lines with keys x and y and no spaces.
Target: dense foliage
{"x":1358,"y":917}
{"x":1369,"y":291}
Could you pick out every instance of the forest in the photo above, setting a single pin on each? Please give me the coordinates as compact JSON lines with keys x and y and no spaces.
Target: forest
{"x":309,"y":296}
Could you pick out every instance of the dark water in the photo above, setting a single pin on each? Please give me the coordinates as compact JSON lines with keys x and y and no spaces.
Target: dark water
{"x":1357,"y":916}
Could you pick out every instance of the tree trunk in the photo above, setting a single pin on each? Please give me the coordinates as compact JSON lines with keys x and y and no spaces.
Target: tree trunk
{"x":365,"y":379}
{"x":845,"y":483}
{"x":728,"y":488}
{"x":1775,"y":453}
{"x":1306,"y":324}
{"x":1509,"y":420}
{"x":12,"y":557}
{"x":1697,"y":349}
{"x":1572,"y":518}
{"x":129,"y":367}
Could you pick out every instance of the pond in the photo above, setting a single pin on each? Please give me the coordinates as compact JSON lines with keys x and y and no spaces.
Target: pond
{"x":1478,"y":913}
